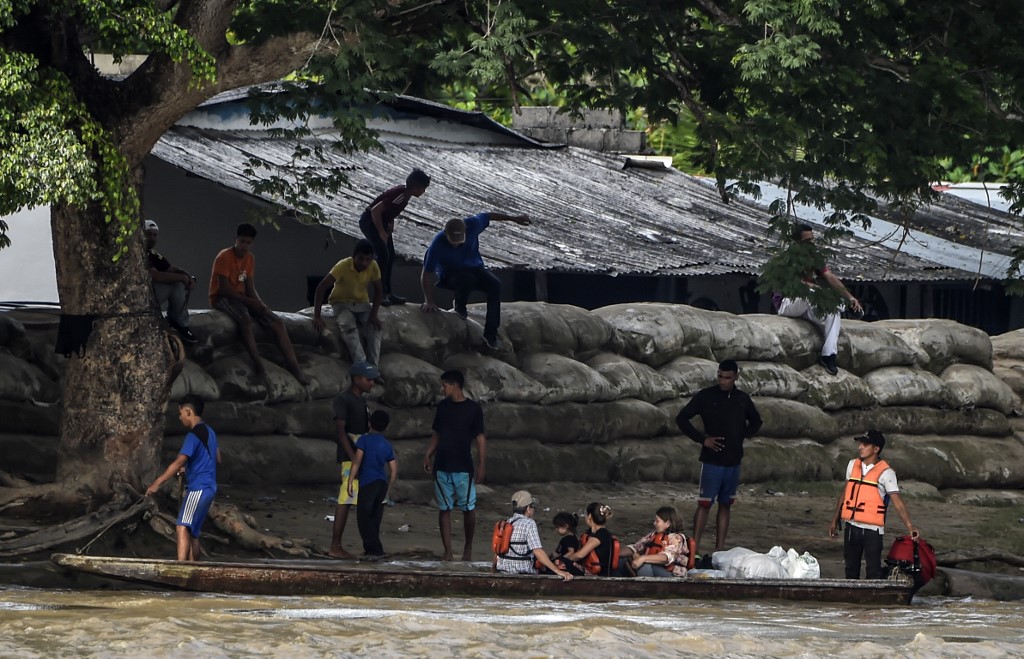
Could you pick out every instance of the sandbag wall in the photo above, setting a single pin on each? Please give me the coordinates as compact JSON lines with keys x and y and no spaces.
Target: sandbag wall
{"x":592,"y":396}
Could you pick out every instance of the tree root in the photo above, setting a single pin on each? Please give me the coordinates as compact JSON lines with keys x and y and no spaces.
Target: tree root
{"x":953,"y":558}
{"x":121,"y":509}
{"x":242,"y":528}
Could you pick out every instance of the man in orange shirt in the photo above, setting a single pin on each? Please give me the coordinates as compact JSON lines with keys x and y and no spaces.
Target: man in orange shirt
{"x":233,"y":291}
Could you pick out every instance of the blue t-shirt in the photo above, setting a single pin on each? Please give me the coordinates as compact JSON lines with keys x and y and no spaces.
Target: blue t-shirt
{"x":377,"y":452}
{"x":442,"y":256}
{"x":201,"y":468}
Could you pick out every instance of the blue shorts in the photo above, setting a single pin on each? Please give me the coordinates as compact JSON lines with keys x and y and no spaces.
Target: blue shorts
{"x":455,"y":489}
{"x":195,"y":504}
{"x":718,"y":483}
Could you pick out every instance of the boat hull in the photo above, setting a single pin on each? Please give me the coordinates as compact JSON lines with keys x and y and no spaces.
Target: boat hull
{"x":296,"y":578}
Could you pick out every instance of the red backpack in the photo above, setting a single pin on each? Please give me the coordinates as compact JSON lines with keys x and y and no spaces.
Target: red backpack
{"x":914,"y":557}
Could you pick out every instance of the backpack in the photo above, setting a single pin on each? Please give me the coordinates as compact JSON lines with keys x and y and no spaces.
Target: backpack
{"x":501,"y":539}
{"x":915,"y":558}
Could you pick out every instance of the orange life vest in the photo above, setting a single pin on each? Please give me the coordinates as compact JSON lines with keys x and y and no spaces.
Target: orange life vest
{"x":501,"y":542}
{"x":861,"y":501}
{"x":592,"y":564}
{"x":656,"y":544}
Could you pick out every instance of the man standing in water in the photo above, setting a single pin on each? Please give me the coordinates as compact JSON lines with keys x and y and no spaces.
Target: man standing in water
{"x":870,"y":487}
{"x":457,"y":423}
{"x":199,"y":457}
{"x":729,"y":417}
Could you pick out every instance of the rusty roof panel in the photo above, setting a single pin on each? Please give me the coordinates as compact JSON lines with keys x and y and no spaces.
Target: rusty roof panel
{"x":589,"y":213}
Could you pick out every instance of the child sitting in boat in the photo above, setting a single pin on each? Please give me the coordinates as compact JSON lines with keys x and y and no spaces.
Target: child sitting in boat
{"x":599,"y":550}
{"x":565,"y":526}
{"x":663,"y":552}
{"x":376,"y":470}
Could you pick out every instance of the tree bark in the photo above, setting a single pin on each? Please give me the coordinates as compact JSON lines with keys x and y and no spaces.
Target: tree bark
{"x":115,"y":394}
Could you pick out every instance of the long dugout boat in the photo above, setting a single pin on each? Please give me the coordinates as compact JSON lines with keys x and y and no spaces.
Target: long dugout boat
{"x":297,"y":577}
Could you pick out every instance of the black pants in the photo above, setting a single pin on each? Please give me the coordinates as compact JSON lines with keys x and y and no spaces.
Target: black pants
{"x":857,"y":543}
{"x":369,"y":513}
{"x":384,"y":252}
{"x":467,"y":280}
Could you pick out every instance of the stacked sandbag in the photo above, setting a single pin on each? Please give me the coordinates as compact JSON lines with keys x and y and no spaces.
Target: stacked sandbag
{"x":940,"y":343}
{"x":973,"y":386}
{"x":632,"y":379}
{"x":655,"y":333}
{"x":1008,"y":359}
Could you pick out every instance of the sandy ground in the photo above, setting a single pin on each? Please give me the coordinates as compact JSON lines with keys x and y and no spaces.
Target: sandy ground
{"x":791,"y":515}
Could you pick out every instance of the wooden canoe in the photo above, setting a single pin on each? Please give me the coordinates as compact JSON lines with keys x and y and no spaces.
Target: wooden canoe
{"x":295,"y":577}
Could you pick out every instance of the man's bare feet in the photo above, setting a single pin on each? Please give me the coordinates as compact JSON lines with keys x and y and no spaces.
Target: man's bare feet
{"x":300,"y":376}
{"x":339,"y":553}
{"x":467,"y":556}
{"x":448,"y":558}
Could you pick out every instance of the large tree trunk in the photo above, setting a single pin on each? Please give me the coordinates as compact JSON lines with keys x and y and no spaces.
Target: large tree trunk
{"x":114,"y":395}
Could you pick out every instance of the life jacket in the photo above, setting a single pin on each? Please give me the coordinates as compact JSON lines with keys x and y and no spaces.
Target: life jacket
{"x":656,"y":544}
{"x":592,"y":564}
{"x":861,"y":501}
{"x":914,"y":557}
{"x":502,"y":544}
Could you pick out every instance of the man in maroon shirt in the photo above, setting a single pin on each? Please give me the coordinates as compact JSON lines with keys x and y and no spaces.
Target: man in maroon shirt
{"x":378,"y":224}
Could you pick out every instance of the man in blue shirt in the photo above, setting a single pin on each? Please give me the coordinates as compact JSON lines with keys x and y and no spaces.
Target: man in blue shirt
{"x":199,"y":457}
{"x":454,"y":258}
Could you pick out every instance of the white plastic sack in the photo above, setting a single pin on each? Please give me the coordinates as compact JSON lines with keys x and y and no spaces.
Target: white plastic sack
{"x":758,"y":566}
{"x":723,"y":560}
{"x":805,"y":567}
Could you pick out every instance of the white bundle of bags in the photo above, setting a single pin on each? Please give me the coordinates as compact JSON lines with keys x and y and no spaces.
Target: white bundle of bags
{"x":743,"y":563}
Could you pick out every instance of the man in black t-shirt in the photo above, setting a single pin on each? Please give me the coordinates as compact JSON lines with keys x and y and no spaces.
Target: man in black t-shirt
{"x":458,"y":422}
{"x":170,"y":284}
{"x":729,"y":417}
{"x":351,"y":419}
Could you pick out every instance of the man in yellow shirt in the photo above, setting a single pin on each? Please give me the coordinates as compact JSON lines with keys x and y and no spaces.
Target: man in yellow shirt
{"x":356,"y":316}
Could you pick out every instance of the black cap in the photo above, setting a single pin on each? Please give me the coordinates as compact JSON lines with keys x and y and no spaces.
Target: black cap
{"x":872,"y":437}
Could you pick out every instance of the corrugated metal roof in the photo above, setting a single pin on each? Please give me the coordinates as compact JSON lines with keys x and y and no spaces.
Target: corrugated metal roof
{"x":590,"y":214}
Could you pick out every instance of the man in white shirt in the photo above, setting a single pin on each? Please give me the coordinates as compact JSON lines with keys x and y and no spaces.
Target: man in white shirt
{"x":870,"y":487}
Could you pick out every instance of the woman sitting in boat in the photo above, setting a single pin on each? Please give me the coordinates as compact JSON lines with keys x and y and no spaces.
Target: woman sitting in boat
{"x":599,"y":550}
{"x":663,"y":552}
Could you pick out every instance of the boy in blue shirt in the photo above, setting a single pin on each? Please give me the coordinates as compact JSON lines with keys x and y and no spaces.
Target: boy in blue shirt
{"x":199,"y":457}
{"x":376,"y":470}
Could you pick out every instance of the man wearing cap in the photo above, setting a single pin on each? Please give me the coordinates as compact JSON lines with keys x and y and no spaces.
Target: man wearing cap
{"x":171,"y":285}
{"x":801,"y":307}
{"x":454,"y":258}
{"x":351,"y":419}
{"x":356,"y":316}
{"x":870,"y":488}
{"x":524,"y":546}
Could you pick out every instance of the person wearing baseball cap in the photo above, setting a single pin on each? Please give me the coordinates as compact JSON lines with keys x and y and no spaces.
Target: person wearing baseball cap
{"x":523,"y":540}
{"x":454,"y":258}
{"x":171,"y":284}
{"x":870,"y":487}
{"x":351,"y":420}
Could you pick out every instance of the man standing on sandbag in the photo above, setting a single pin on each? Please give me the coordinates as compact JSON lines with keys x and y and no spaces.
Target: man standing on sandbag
{"x":870,"y":487}
{"x":454,"y":257}
{"x":801,"y":307}
{"x":458,"y":422}
{"x":729,"y":416}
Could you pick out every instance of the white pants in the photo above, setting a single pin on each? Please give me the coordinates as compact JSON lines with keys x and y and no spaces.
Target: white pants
{"x":354,"y":322}
{"x":801,"y":308}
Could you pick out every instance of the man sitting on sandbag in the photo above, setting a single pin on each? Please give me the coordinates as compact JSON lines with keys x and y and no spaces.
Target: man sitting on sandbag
{"x":454,"y":257}
{"x":801,"y":307}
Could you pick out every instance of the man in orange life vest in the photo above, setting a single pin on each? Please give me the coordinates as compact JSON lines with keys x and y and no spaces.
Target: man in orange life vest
{"x":870,"y":488}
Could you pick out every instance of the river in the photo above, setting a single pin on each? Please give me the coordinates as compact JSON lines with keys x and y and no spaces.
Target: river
{"x":127,"y":623}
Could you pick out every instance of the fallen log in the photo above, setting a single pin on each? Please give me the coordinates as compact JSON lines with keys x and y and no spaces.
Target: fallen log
{"x":117,"y":511}
{"x":981,"y":555}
